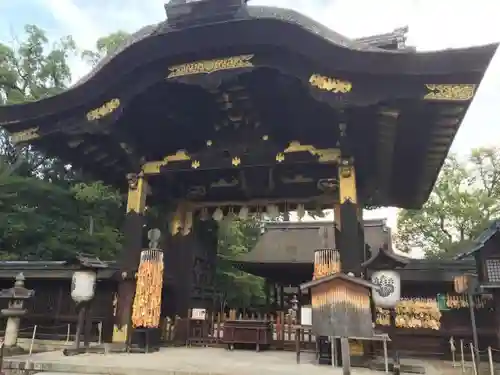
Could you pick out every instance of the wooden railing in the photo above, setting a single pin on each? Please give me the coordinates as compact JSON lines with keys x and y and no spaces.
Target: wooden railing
{"x":284,"y":329}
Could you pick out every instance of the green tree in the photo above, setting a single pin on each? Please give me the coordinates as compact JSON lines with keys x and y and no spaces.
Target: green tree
{"x":34,"y":69}
{"x":105,"y":46}
{"x":46,"y":210}
{"x":237,"y":288}
{"x":41,"y":220}
{"x":464,"y":201}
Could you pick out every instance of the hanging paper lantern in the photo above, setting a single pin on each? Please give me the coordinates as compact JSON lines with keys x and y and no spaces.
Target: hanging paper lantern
{"x":389,"y":292}
{"x":177,"y":221}
{"x":204,"y":214}
{"x":272,"y":211}
{"x":218,"y":214}
{"x":230,"y":214}
{"x":83,"y":286}
{"x":318,"y":212}
{"x":301,"y":211}
{"x":243,"y":214}
{"x":276,"y":210}
{"x":188,"y":223}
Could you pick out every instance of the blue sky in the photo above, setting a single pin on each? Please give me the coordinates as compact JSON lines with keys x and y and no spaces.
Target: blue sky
{"x":433,"y":25}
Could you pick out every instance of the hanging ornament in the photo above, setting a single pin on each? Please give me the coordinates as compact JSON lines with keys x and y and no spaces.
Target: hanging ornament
{"x":271,"y":211}
{"x":188,"y":223}
{"x":176,"y":222}
{"x":230,"y":214}
{"x":286,"y":212}
{"x":318,"y":212}
{"x":218,"y":214}
{"x":275,"y":211}
{"x":204,"y":216}
{"x":243,"y":214}
{"x":258,"y":213}
{"x":301,"y":211}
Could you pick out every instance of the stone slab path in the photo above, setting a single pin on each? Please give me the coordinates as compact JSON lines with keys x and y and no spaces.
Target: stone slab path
{"x":183,"y":361}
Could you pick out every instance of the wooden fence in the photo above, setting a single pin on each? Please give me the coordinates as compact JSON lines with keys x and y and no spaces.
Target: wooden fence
{"x":181,"y":331}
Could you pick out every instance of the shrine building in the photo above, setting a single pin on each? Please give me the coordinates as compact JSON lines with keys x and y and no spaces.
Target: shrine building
{"x":230,"y":109}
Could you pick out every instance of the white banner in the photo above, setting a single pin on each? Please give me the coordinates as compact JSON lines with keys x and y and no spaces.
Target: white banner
{"x":306,"y":316}
{"x":199,"y":314}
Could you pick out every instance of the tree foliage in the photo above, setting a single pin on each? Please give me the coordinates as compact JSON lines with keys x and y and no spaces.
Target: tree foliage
{"x":46,"y":210}
{"x":105,"y":46}
{"x":237,"y":288}
{"x":34,"y":69}
{"x":465,"y":199}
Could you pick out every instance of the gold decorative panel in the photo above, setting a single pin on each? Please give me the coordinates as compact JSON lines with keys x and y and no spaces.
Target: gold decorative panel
{"x":327,"y":155}
{"x":210,"y":66}
{"x":330,"y":84}
{"x":153,"y":167}
{"x":450,"y":92}
{"x":25,"y":135}
{"x":104,"y":110}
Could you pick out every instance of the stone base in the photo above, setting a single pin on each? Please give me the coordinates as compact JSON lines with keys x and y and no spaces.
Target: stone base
{"x":120,"y":334}
{"x":170,"y":361}
{"x":13,"y":350}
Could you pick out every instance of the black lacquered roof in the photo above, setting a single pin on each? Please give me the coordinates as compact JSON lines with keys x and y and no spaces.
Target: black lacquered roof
{"x":399,"y":139}
{"x":263,"y":25}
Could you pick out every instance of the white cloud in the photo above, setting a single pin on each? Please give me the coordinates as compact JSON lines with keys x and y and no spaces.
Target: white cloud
{"x":433,"y":25}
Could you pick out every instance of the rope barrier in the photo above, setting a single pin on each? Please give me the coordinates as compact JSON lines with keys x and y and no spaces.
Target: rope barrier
{"x":475,"y":354}
{"x":36,"y":328}
{"x":54,"y":327}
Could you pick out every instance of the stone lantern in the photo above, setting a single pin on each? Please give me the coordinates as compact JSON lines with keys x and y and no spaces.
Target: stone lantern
{"x":83,"y":285}
{"x":16,"y":296}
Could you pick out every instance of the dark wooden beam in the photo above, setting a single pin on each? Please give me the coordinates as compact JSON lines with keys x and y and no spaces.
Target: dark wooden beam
{"x":388,"y":118}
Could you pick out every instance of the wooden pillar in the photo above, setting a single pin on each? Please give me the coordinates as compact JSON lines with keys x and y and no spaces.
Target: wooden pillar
{"x":361,"y":230}
{"x":129,"y":259}
{"x":299,"y":305}
{"x":267,"y":290}
{"x":282,"y":297}
{"x":275,"y":296}
{"x":496,"y":309}
{"x":349,"y":240}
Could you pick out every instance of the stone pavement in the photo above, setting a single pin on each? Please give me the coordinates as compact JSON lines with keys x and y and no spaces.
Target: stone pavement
{"x":181,"y":361}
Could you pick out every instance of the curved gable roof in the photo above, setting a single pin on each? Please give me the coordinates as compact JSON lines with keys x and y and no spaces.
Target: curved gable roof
{"x":252,"y":25}
{"x":295,"y":242}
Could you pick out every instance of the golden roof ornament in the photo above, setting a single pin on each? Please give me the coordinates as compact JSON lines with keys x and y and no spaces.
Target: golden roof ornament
{"x":451,"y":92}
{"x":25,"y":135}
{"x":104,"y":110}
{"x":236,"y":161}
{"x":331,"y":84}
{"x":153,"y":167}
{"x":210,"y":66}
